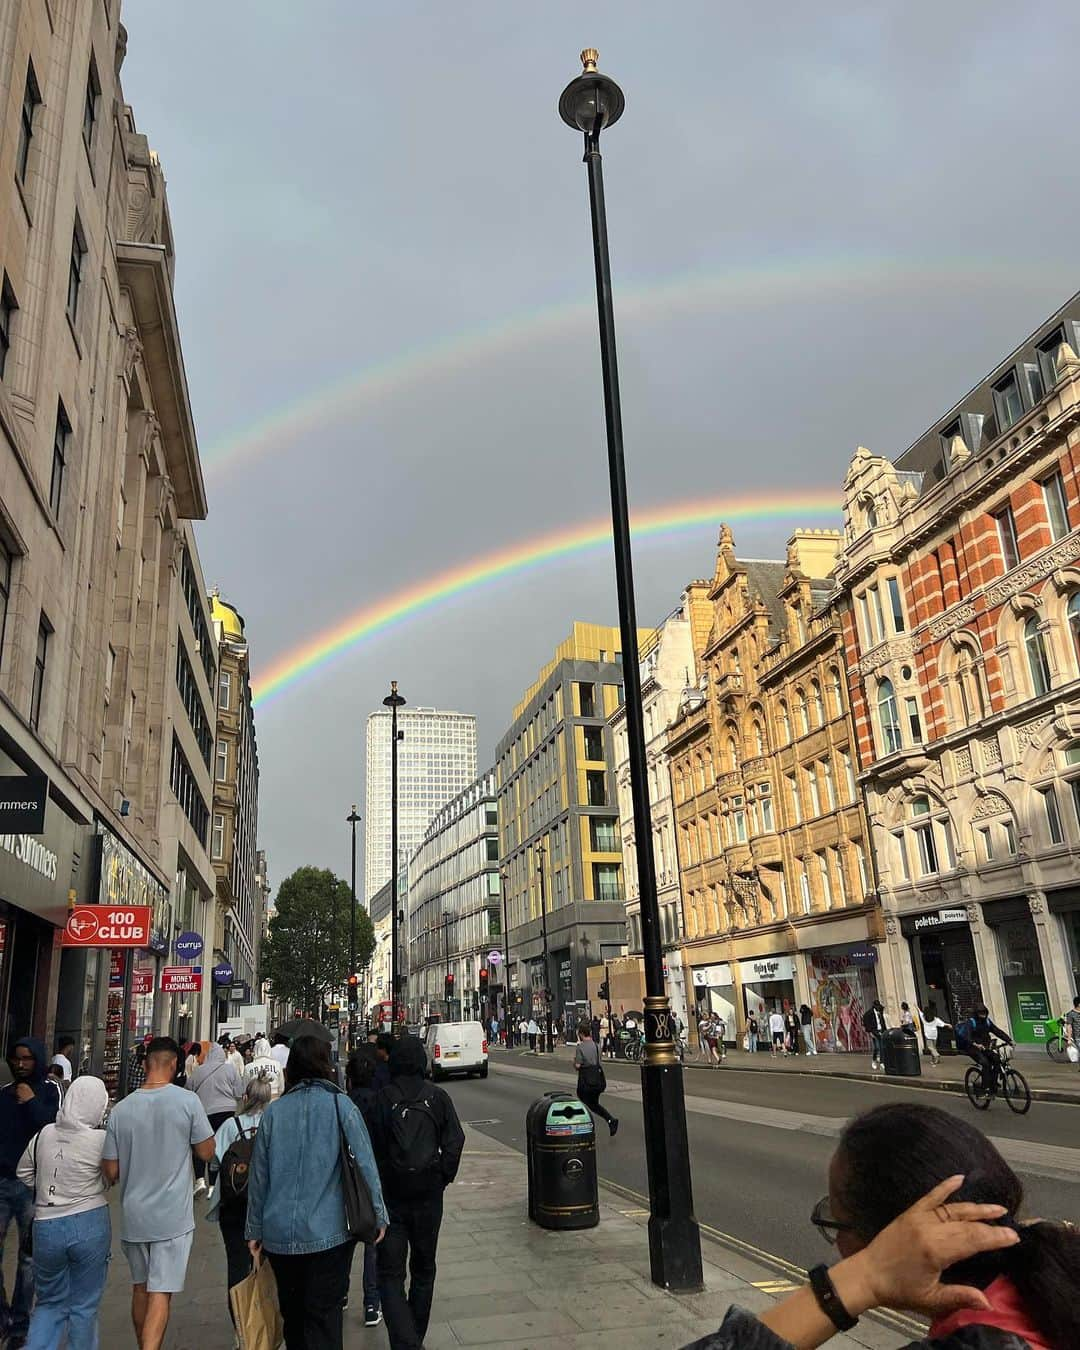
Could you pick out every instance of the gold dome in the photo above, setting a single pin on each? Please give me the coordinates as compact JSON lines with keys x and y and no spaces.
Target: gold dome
{"x":232,"y":625}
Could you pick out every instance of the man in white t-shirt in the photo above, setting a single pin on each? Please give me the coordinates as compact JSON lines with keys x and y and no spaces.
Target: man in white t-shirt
{"x":931,"y":1025}
{"x":776,"y":1030}
{"x":280,"y":1049}
{"x":65,"y":1053}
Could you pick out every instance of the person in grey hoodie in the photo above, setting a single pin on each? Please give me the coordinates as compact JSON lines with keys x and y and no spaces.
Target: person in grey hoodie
{"x":72,"y":1233}
{"x":219,"y":1088}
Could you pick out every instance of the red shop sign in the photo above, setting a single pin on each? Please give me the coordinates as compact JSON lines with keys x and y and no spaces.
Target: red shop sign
{"x":108,"y":926}
{"x":142,"y":981}
{"x":181,"y":980}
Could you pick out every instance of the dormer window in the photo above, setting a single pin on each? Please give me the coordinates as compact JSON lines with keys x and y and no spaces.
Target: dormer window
{"x":1047,"y":356}
{"x":1008,"y":405}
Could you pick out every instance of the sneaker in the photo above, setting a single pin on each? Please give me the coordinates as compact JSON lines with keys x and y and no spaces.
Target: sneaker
{"x":201,"y":1188}
{"x":372,"y":1316}
{"x":613,"y":1127}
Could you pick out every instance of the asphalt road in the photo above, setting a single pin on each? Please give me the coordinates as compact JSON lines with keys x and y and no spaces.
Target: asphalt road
{"x":760,"y":1143}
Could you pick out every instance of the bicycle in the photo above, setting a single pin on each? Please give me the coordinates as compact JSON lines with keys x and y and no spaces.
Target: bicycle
{"x":634,"y":1048}
{"x":1010,"y":1083}
{"x":1056,"y":1044}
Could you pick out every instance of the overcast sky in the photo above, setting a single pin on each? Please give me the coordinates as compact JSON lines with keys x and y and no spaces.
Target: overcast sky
{"x":827,"y":222}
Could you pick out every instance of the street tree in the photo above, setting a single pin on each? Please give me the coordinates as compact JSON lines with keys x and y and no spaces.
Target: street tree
{"x":306,"y":953}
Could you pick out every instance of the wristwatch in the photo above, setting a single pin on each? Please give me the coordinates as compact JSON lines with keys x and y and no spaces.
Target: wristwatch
{"x":829,"y":1300}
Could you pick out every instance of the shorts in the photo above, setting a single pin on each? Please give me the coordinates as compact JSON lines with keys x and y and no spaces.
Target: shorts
{"x":778,"y":1038}
{"x":161,"y":1266}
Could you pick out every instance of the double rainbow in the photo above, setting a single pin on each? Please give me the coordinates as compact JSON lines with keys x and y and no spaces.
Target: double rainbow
{"x":318,"y":653}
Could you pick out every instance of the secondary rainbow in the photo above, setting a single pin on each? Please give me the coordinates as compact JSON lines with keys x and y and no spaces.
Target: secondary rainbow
{"x":317,"y":653}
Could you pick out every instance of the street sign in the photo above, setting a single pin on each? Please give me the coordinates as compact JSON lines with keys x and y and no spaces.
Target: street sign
{"x":104,"y":926}
{"x":189,"y":946}
{"x":181,"y":980}
{"x":494,"y":958}
{"x":223,"y":973}
{"x":22,"y":803}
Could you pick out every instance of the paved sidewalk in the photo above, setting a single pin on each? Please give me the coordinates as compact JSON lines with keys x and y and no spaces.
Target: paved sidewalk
{"x":1049,"y":1082}
{"x":506,"y":1284}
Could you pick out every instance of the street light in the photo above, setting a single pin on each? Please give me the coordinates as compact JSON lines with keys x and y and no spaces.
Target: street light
{"x":549,"y":1040}
{"x":588,"y":104}
{"x":353,"y":819}
{"x":393,"y":701}
{"x":448,"y":983}
{"x":508,"y":1013}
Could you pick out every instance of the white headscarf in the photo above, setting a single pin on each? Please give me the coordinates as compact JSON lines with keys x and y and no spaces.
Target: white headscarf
{"x":83,"y":1107}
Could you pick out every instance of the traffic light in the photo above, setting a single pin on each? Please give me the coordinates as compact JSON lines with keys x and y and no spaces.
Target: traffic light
{"x":483,"y":983}
{"x":448,"y":987}
{"x":603,"y":992}
{"x":354,"y":991}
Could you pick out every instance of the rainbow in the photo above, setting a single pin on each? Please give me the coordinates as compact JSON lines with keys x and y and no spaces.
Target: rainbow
{"x":317,"y":653}
{"x":760,"y":283}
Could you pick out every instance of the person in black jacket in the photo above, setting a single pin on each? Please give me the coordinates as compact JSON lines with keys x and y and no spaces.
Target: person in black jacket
{"x":418,"y":1142}
{"x":27,"y":1103}
{"x":360,"y":1080}
{"x":875,"y":1025}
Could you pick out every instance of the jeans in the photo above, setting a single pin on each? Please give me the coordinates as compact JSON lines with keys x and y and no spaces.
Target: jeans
{"x":71,"y":1261}
{"x":877,"y":1047}
{"x":751,"y":1042}
{"x":413,"y":1235}
{"x":808,"y":1039}
{"x":590,"y":1097}
{"x":311,"y":1295}
{"x":371,"y":1277}
{"x":16,"y":1202}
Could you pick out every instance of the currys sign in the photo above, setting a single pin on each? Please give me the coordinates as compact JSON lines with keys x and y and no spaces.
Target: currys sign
{"x":223,"y":973}
{"x":189,"y":946}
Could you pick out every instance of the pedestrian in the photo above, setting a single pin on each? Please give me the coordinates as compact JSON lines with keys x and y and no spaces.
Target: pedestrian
{"x":65,"y":1054}
{"x":532,"y":1030}
{"x":720,"y":1031}
{"x":876,"y":1026}
{"x":260,"y":1048}
{"x":384,"y":1043}
{"x":232,"y":1053}
{"x":280,"y":1049}
{"x":28,"y":1102}
{"x":791,"y":1032}
{"x":751,"y":1033}
{"x":296,"y":1199}
{"x":776,"y":1030}
{"x":932,"y":1024}
{"x":219,"y":1088}
{"x":148,"y":1145}
{"x":594,"y":1030}
{"x":234,"y":1145}
{"x":493,"y":1027}
{"x":72,"y":1236}
{"x":136,"y":1075}
{"x":1072,"y":1030}
{"x":709,"y":1031}
{"x":360,"y":1078}
{"x":806,"y":1021}
{"x":418,"y":1142}
{"x":591,"y":1081}
{"x":265,"y":1066}
{"x":196,"y":1055}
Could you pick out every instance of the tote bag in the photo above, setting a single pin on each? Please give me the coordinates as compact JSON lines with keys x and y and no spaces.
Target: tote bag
{"x":254,"y":1304}
{"x":360,"y":1217}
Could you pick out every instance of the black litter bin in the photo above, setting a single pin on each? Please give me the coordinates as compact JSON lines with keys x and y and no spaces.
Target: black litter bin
{"x":902,"y":1053}
{"x":561,"y":1153}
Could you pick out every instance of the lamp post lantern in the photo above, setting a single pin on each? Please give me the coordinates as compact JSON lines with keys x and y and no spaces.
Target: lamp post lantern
{"x":588,"y":104}
{"x":393,"y":701}
{"x":353,"y":820}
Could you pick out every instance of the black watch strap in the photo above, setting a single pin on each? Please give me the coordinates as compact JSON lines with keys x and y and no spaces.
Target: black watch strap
{"x":829,"y":1300}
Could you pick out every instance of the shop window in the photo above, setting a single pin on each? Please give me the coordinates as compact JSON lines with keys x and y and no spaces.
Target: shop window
{"x":1038,"y":664}
{"x":888,"y":718}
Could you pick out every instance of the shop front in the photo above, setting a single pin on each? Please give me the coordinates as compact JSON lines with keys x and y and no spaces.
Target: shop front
{"x":1020,"y":963}
{"x":943,"y":961}
{"x":714,"y":992}
{"x":843,"y":986}
{"x":768,"y":985}
{"x":1064,"y":905}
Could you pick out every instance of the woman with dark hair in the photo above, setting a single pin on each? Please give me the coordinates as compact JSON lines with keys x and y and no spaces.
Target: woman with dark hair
{"x":296,"y":1202}
{"x":927,"y":1216}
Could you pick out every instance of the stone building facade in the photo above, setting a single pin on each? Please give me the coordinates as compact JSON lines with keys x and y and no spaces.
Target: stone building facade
{"x":961,"y":575}
{"x":99,"y":481}
{"x":777,"y":897}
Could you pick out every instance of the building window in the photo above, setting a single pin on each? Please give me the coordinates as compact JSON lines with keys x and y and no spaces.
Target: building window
{"x":815,"y":795}
{"x":1006,"y":529}
{"x":849,"y":774}
{"x":793,"y":794}
{"x":594,"y":744}
{"x":1057,"y":510}
{"x":61,"y":442}
{"x":804,"y":889}
{"x":587,"y":700}
{"x":41,"y":660}
{"x":90,"y":104}
{"x":1038,"y":664}
{"x":75,"y":269}
{"x":888,"y":718}
{"x":30,"y":104}
{"x":186,"y":790}
{"x":1052,"y":814}
{"x":596,"y":787}
{"x":758,"y":738}
{"x":1008,"y":404}
{"x":1047,"y":352}
{"x":924,"y":840}
{"x":605,"y":835}
{"x":225,"y":690}
{"x":911,"y":711}
{"x":824,"y":880}
{"x":830,"y":785}
{"x":864,"y":875}
{"x":986,"y":839}
{"x":785,"y":724}
{"x":606,"y":882}
{"x":8,"y":306}
{"x":877,"y":617}
{"x":217,"y":839}
{"x":738,"y":813}
{"x":895,"y":604}
{"x":5,"y":592}
{"x":901,"y":854}
{"x":817,"y":705}
{"x":1073,"y":613}
{"x":222,"y":761}
{"x":1010,"y":836}
{"x":800,"y":712}
{"x":765,"y":802}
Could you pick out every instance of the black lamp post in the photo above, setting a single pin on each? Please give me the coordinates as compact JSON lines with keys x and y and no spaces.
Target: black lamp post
{"x":354,"y":991}
{"x":549,"y":1039}
{"x":393,"y":701}
{"x":448,"y":988}
{"x":588,"y":104}
{"x":508,"y":1011}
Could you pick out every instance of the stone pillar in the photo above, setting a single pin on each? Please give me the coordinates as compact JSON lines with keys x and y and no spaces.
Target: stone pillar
{"x":1055,"y":962}
{"x":989,"y":968}
{"x":895,"y":976}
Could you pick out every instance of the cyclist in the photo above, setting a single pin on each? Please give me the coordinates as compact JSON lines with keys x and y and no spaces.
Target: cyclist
{"x":973,"y":1038}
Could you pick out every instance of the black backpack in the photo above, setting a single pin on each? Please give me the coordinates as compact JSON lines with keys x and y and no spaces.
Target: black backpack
{"x":236,"y":1169}
{"x":414,"y":1133}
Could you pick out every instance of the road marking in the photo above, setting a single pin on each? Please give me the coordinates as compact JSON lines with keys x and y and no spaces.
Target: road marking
{"x":491,"y":1121}
{"x":634,"y":1213}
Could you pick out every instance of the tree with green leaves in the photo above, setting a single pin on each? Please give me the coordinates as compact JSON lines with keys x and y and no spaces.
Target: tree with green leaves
{"x":306,"y":954}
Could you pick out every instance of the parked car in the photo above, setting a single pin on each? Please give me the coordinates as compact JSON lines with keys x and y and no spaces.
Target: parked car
{"x":456,"y":1047}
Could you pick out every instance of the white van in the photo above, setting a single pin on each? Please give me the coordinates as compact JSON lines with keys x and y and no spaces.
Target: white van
{"x":456,"y":1047}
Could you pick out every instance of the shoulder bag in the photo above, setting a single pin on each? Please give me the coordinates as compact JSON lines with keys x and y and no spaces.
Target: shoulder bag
{"x":360,"y":1218}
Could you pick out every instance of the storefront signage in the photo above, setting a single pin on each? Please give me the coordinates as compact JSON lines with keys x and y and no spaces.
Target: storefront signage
{"x":863,"y":956}
{"x":941,"y":919}
{"x":32,"y":854}
{"x":767,"y":970}
{"x":223,"y":973}
{"x":1033,"y":1005}
{"x":494,"y":958}
{"x":125,"y":882}
{"x":189,"y":946}
{"x":564,"y":970}
{"x":104,"y":926}
{"x":22,"y":803}
{"x":142,"y":981}
{"x":181,"y":980}
{"x":712,"y":977}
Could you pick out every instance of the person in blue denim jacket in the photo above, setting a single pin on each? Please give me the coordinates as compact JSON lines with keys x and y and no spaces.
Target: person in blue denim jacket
{"x":296,"y":1206}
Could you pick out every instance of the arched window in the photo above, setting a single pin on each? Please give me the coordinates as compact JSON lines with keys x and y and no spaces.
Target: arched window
{"x":817,"y":707}
{"x":824,"y":880}
{"x":1074,"y":625}
{"x":871,"y":516}
{"x":800,"y":712}
{"x":757,"y":737}
{"x":785,"y":724}
{"x":732,"y":761}
{"x":699,"y":775}
{"x":1038,"y":664}
{"x":709,"y":773}
{"x":888,"y":719}
{"x":835,"y":689}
